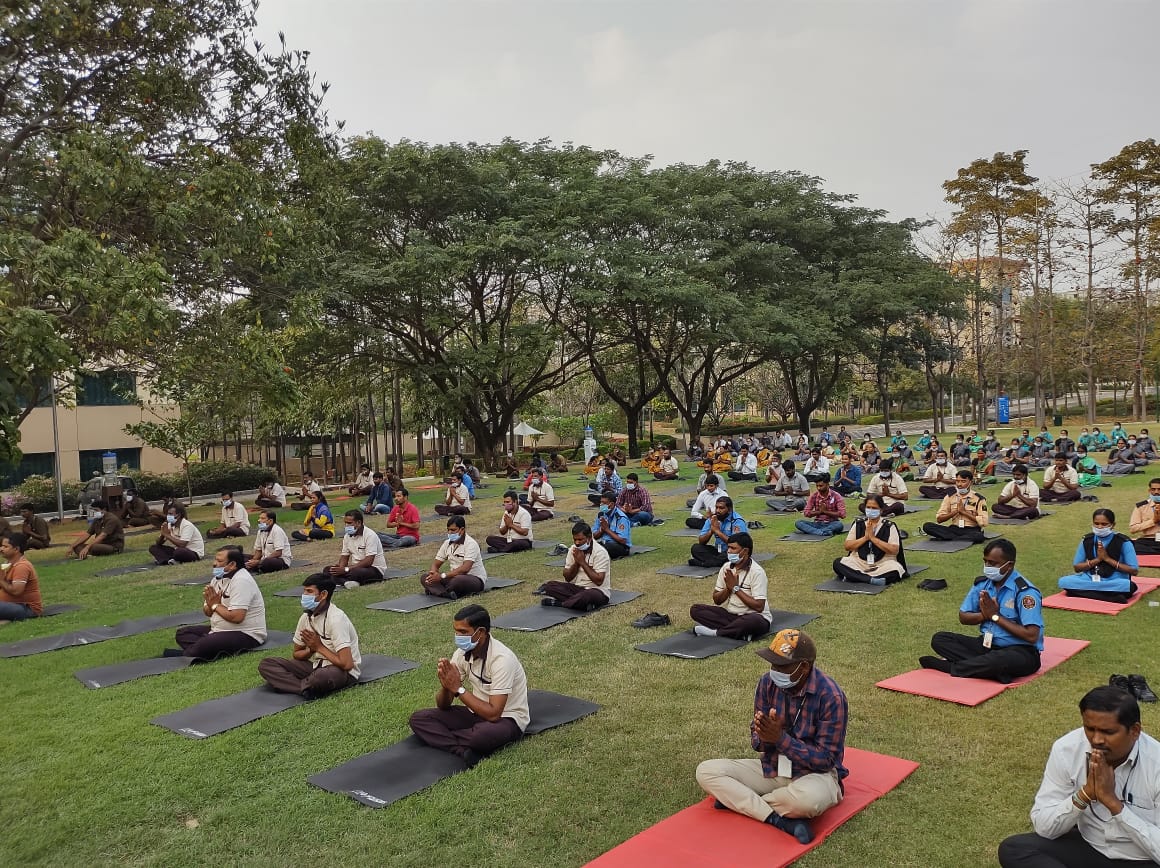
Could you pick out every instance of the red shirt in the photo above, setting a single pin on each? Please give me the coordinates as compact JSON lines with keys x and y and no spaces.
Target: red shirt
{"x":408,"y":513}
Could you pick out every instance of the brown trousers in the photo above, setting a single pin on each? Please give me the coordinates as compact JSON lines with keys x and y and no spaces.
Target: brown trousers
{"x":287,"y":675}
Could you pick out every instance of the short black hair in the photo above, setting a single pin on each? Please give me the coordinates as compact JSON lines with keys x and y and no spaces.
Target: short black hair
{"x":456,"y":521}
{"x":581,"y":527}
{"x":234,"y":556}
{"x":100,"y":503}
{"x":743,"y":539}
{"x":321,"y":581}
{"x":227,"y":494}
{"x":510,"y":494}
{"x":355,"y":514}
{"x":885,"y":465}
{"x":712,"y":479}
{"x":609,"y":495}
{"x":18,"y":540}
{"x":1106,"y":513}
{"x":27,"y":506}
{"x":788,"y":464}
{"x":270,"y":514}
{"x":965,"y":474}
{"x":475,"y":615}
{"x":378,"y":474}
{"x":727,"y":500}
{"x":402,"y":491}
{"x":1108,"y":698}
{"x":176,"y":507}
{"x":1003,"y":546}
{"x":633,"y":477}
{"x":823,"y":477}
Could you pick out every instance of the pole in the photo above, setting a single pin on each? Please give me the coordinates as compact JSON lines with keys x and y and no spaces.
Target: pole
{"x":56,"y":453}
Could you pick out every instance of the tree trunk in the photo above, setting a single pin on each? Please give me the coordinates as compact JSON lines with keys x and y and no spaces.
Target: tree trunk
{"x":632,"y":417}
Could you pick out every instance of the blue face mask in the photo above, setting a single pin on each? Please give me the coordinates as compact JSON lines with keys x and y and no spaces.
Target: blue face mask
{"x":992,"y":573}
{"x":263,"y":527}
{"x":309,"y":602}
{"x":1155,"y":498}
{"x":465,"y":643}
{"x":873,"y":513}
{"x":781,"y":680}
{"x":98,"y":515}
{"x":172,"y":519}
{"x":585,"y":547}
{"x":349,"y":530}
{"x":452,"y":537}
{"x":603,"y":509}
{"x":219,"y":572}
{"x":733,"y":557}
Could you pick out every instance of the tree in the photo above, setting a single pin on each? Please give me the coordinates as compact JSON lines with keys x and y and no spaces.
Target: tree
{"x":181,"y":436}
{"x":1130,"y":183}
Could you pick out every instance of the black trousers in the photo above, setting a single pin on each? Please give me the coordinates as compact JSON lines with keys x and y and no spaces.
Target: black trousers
{"x":707,"y":556}
{"x":1066,"y":851}
{"x":951,"y":532}
{"x":615,"y":550}
{"x":971,"y":660}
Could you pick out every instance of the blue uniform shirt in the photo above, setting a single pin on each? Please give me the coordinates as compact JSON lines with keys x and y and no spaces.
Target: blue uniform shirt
{"x":1024,"y":607}
{"x":731,"y":525}
{"x":1118,"y":582}
{"x":619,"y":524}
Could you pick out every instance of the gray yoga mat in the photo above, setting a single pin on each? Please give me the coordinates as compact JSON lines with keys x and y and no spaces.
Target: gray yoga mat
{"x":686,"y":571}
{"x":807,"y":537}
{"x":416,"y":602}
{"x":384,"y":776}
{"x":392,"y":573}
{"x":690,"y":646}
{"x":58,"y":609}
{"x":216,"y":716}
{"x":939,"y":545}
{"x":91,"y":635}
{"x":838,"y":586}
{"x":1016,"y":522}
{"x":636,"y":550}
{"x":685,"y":532}
{"x":916,"y":507}
{"x":539,"y":617}
{"x":119,"y":673}
{"x":124,"y":571}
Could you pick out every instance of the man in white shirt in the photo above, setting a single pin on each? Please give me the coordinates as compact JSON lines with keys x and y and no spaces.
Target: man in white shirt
{"x":515,"y":527}
{"x":271,"y":494}
{"x":362,"y":561}
{"x":587,"y":574}
{"x":1060,"y":482}
{"x":326,"y":657}
{"x":740,"y":609}
{"x":1099,"y":802}
{"x":271,"y":547}
{"x":488,"y":681}
{"x":457,"y":501}
{"x":1019,"y":497}
{"x":309,"y":487}
{"x":668,"y":468}
{"x":791,"y":490}
{"x":744,"y":466}
{"x":540,"y":497}
{"x":181,"y":542}
{"x":816,"y":466}
{"x":890,"y":487}
{"x":363,"y":482}
{"x":706,"y":503}
{"x":235,"y":608}
{"x":458,"y":569}
{"x":235,"y":519}
{"x":939,"y":478}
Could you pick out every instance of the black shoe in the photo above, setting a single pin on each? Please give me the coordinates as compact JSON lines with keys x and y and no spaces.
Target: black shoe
{"x":657,"y":522}
{"x":1121,"y":681}
{"x":903,"y":535}
{"x":560,"y":549}
{"x":451,"y":595}
{"x":548,"y":602}
{"x":799,"y":829}
{"x":541,"y":590}
{"x":693,"y":563}
{"x":309,"y":695}
{"x":719,"y":805}
{"x":172,"y":652}
{"x":471,"y":758}
{"x":1141,"y":689}
{"x":652,"y":619}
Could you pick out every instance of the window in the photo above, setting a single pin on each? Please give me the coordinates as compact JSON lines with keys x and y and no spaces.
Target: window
{"x":31,"y":463}
{"x":40,"y":388}
{"x":106,"y":389}
{"x":92,"y":462}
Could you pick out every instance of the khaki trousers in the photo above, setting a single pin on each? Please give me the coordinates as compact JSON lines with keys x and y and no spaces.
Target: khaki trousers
{"x":740,"y":785}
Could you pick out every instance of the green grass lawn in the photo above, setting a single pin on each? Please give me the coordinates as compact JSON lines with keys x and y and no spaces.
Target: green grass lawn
{"x":90,"y":781}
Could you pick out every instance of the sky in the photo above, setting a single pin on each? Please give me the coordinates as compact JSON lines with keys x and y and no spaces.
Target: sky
{"x":885,"y":99}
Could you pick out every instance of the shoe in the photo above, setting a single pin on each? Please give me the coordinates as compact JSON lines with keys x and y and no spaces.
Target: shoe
{"x":719,"y":805}
{"x":797,"y":828}
{"x":657,"y":522}
{"x":935,"y":663}
{"x":693,"y":563}
{"x":308,"y":694}
{"x":352,"y":585}
{"x":548,"y":602}
{"x":172,"y":652}
{"x":903,"y":535}
{"x":451,"y":595}
{"x":574,"y":518}
{"x":471,"y":758}
{"x":756,"y":525}
{"x":1121,"y":681}
{"x":1141,"y":689}
{"x":560,"y":549}
{"x":171,"y":563}
{"x":652,"y":619}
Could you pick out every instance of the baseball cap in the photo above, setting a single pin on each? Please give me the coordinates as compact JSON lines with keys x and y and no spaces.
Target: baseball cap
{"x":789,"y":646}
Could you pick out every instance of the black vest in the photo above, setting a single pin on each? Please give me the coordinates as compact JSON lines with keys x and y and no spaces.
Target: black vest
{"x":1114,"y":547}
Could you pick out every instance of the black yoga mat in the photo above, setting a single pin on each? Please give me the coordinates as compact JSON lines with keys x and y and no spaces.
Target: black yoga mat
{"x":946,"y":546}
{"x":392,"y":573}
{"x":541,"y":617}
{"x":216,"y":716}
{"x":636,"y":550}
{"x":686,"y":571}
{"x":58,"y":609}
{"x":124,"y":571}
{"x":119,"y":673}
{"x":807,"y":537}
{"x":90,"y":635}
{"x":384,"y":776}
{"x":685,"y":532}
{"x":690,"y":646}
{"x":1006,"y":520}
{"x":416,"y":602}
{"x":838,"y":586}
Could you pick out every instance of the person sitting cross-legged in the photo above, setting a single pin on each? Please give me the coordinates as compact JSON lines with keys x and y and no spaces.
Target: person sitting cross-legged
{"x":711,"y":547}
{"x":891,"y":486}
{"x":705,"y":503}
{"x":363,"y":482}
{"x":489,"y":682}
{"x":540,"y":497}
{"x":1089,"y":473}
{"x":19,"y":585}
{"x":962,"y":515}
{"x":606,"y":480}
{"x":587,"y":581}
{"x":362,"y":561}
{"x":939,"y":479}
{"x":134,"y":511}
{"x":515,"y":527}
{"x":235,"y":519}
{"x":613,"y":529}
{"x":740,"y":607}
{"x":1019,"y":497}
{"x":105,"y":535}
{"x":667,"y":467}
{"x":744,"y":466}
{"x":825,"y":510}
{"x":1120,"y":461}
{"x":847,"y":479}
{"x":319,"y":521}
{"x":790,"y":492}
{"x":458,"y":569}
{"x":272,"y":552}
{"x":873,"y":549}
{"x":457,"y":500}
{"x":309,"y":486}
{"x":635,"y":501}
{"x":1105,"y":563}
{"x":816,"y":465}
{"x":236,"y":611}
{"x":403,"y":522}
{"x":271,"y":494}
{"x":326,"y":655}
{"x":773,"y":472}
{"x":1060,"y":482}
{"x":35,"y":529}
{"x":1145,"y":521}
{"x":180,"y":542}
{"x":380,"y":499}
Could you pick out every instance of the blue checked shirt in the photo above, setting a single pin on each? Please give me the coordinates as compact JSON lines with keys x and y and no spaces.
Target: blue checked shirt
{"x":814,"y":734}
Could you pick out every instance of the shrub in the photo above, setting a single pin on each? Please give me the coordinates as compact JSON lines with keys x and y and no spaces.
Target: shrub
{"x":213,"y":477}
{"x":40,"y":491}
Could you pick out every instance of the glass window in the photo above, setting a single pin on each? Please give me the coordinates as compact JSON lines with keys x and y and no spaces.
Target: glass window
{"x":106,"y":389}
{"x":31,"y":463}
{"x":92,"y":463}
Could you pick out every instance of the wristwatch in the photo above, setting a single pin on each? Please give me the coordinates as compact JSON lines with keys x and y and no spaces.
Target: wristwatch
{"x":462,"y":690}
{"x":995,"y":617}
{"x":736,"y":588}
{"x":443,"y":576}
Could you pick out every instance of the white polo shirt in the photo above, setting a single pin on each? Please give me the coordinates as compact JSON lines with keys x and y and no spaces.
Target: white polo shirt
{"x":187,"y":532}
{"x":499,"y":672}
{"x":236,"y":514}
{"x":752,"y":581}
{"x":599,"y":560}
{"x":272,"y":540}
{"x":452,"y":555}
{"x":240,"y":591}
{"x":336,"y":631}
{"x":363,"y":545}
{"x":522,"y":519}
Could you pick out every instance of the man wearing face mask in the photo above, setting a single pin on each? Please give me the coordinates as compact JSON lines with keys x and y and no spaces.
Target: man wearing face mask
{"x":1060,"y":482}
{"x":457,"y":501}
{"x":799,"y":728}
{"x":181,"y":542}
{"x":773,"y":472}
{"x":134,"y":511}
{"x":1145,"y":521}
{"x":635,"y":501}
{"x":458,"y":569}
{"x":236,"y":610}
{"x":790,"y":492}
{"x":1008,"y":610}
{"x":587,"y":575}
{"x":515,"y":527}
{"x":271,"y":547}
{"x":105,"y":536}
{"x":963,"y":512}
{"x":711,"y":546}
{"x":362,"y":561}
{"x":1019,"y":497}
{"x":541,"y":497}
{"x":235,"y":519}
{"x":1105,"y":563}
{"x":326,"y":656}
{"x":744,"y":466}
{"x":740,"y":607}
{"x":1097,"y":803}
{"x":825,"y":510}
{"x":612,"y":529}
{"x":488,"y":681}
{"x":848,"y":478}
{"x":939,"y":478}
{"x":890,"y":486}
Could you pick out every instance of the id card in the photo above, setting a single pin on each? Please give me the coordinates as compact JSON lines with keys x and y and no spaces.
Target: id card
{"x":784,"y":767}
{"x":988,"y":638}
{"x":962,"y":522}
{"x":870,"y":558}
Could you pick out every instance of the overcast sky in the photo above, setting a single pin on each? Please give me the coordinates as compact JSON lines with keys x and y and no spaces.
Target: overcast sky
{"x":882,"y":99}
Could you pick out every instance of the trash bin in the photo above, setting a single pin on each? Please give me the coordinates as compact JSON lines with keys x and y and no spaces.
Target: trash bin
{"x":1057,"y":419}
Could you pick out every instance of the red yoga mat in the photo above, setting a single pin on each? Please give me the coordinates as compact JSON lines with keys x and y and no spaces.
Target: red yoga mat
{"x":1152,"y":561}
{"x":975,"y":691}
{"x":704,"y":837}
{"x":1100,"y":607}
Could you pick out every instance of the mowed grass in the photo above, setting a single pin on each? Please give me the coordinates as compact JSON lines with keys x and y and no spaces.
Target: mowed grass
{"x":90,"y":781}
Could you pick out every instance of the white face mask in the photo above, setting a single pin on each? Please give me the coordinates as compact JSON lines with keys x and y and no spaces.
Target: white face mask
{"x":783,"y":681}
{"x":963,"y":492}
{"x":631,"y":486}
